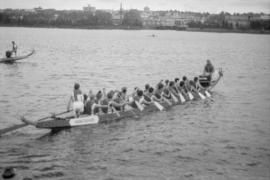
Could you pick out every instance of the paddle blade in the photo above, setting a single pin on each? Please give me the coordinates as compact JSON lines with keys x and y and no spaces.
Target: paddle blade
{"x":201,"y":96}
{"x":207,"y":94}
{"x":182,"y":98}
{"x":159,"y":106}
{"x":167,"y":101}
{"x":191,"y":97}
{"x":116,"y":112}
{"x":174,"y":98}
{"x":140,"y":107}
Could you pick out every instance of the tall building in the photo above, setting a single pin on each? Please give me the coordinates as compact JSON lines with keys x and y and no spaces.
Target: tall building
{"x":121,"y":13}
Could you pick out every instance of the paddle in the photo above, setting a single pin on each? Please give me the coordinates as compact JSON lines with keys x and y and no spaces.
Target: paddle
{"x":201,"y":95}
{"x":116,"y":112}
{"x":18,"y":126}
{"x":167,"y":101}
{"x":182,"y":97}
{"x":159,"y":106}
{"x":207,"y":94}
{"x":191,"y":97}
{"x":174,"y":98}
{"x":140,"y":107}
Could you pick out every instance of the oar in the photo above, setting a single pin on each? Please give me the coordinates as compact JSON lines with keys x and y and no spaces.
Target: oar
{"x":159,"y":106}
{"x":116,"y":112}
{"x":139,"y":106}
{"x":18,"y":126}
{"x":201,"y":95}
{"x":182,"y":97}
{"x":174,"y":98}
{"x":167,"y":101}
{"x":191,"y":97}
{"x":207,"y":94}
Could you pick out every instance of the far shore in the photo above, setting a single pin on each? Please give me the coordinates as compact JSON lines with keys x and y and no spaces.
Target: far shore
{"x":215,"y":30}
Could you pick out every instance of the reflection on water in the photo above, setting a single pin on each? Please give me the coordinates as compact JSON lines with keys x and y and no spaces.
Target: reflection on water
{"x":227,"y":138}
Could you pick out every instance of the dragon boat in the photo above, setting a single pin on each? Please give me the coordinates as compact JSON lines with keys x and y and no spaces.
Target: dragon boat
{"x":71,"y":121}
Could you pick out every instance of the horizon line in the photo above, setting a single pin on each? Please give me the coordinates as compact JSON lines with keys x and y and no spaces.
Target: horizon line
{"x":113,"y":9}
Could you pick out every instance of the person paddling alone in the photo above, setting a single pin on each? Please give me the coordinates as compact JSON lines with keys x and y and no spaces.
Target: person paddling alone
{"x":14,"y":48}
{"x":77,"y":99}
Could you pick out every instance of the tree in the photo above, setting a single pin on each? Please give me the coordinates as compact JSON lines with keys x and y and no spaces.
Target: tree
{"x":132,"y":18}
{"x":103,"y":18}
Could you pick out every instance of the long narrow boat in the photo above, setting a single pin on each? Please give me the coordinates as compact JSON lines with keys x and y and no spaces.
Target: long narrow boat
{"x":71,"y":121}
{"x":16,"y":58}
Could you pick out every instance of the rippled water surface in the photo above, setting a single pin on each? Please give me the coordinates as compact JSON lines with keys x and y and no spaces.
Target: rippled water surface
{"x":228,"y":138}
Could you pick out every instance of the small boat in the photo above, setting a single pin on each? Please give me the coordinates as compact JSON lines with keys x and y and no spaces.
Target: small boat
{"x":55,"y":123}
{"x":16,"y":58}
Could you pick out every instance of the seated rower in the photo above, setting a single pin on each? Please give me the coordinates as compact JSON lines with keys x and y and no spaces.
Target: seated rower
{"x":154,"y":95}
{"x":112,"y":98}
{"x":123,"y":94}
{"x":197,"y":84}
{"x":186,"y":84}
{"x":147,"y":86}
{"x":92,"y":107}
{"x":77,"y":101}
{"x":182,"y":89}
{"x":173,"y":88}
{"x":174,"y":92}
{"x":166,"y":94}
{"x":134,"y":99}
{"x":117,"y":98}
{"x":176,"y":81}
{"x":158,"y":91}
{"x":143,"y":99}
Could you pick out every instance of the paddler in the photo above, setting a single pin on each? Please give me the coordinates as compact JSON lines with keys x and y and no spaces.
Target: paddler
{"x":91,"y":106}
{"x":197,"y":84}
{"x":147,"y":86}
{"x":123,"y":94}
{"x":208,"y":69}
{"x":154,"y":95}
{"x":182,"y":89}
{"x":115,"y":106}
{"x":143,"y":99}
{"x":14,"y":48}
{"x":76,"y":99}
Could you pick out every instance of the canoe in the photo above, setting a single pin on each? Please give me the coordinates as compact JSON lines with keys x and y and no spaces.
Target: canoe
{"x":16,"y":58}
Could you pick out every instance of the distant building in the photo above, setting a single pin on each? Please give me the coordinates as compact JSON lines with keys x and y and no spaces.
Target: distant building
{"x":89,"y":8}
{"x":118,"y":16}
{"x":146,"y":9}
{"x":265,"y":17}
{"x":238,"y":21}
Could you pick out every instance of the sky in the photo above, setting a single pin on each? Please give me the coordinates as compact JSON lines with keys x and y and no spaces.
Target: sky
{"x":211,"y":6}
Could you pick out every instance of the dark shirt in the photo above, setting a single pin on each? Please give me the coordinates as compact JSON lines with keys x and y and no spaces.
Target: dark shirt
{"x":209,"y":68}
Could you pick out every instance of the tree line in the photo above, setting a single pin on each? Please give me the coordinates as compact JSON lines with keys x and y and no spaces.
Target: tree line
{"x":76,"y":18}
{"x":79,"y":18}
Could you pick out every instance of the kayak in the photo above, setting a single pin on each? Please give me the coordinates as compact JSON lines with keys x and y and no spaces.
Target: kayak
{"x":16,"y":58}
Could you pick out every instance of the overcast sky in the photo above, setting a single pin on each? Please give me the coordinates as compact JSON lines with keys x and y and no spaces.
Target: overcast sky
{"x":212,"y":6}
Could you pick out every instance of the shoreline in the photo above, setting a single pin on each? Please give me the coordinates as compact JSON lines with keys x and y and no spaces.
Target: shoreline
{"x":210,"y":30}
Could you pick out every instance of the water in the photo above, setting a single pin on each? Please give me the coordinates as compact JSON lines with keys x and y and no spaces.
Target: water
{"x":225,"y":139}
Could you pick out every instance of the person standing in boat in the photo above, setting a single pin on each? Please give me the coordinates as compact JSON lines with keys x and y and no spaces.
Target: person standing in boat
{"x":208,"y":69}
{"x":77,"y":101}
{"x":14,"y":48}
